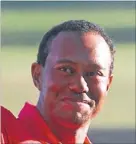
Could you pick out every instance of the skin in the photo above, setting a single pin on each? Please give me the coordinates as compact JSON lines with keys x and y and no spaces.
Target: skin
{"x":76,"y":64}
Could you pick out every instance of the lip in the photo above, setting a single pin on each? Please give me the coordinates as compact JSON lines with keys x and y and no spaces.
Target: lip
{"x":74,"y":100}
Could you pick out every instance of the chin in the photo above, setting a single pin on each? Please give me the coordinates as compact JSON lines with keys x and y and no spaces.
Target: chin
{"x":81,"y":119}
{"x":73,"y":120}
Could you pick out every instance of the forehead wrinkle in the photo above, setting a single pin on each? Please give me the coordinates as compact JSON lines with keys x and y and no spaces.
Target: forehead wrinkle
{"x":93,"y":64}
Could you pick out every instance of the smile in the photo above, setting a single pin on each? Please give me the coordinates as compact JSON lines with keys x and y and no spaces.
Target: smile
{"x":90,"y":103}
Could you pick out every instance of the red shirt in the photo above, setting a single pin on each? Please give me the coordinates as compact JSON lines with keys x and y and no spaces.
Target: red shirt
{"x":29,"y":127}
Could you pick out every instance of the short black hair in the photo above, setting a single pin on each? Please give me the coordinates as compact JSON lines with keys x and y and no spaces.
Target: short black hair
{"x":72,"y":26}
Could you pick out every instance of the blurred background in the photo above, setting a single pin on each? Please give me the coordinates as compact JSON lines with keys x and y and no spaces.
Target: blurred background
{"x":22,"y":27}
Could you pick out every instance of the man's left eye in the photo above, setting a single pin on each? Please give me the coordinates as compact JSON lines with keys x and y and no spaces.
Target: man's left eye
{"x":94,"y":73}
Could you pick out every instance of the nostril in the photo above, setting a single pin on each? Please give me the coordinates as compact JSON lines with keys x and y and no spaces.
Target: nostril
{"x":78,"y":89}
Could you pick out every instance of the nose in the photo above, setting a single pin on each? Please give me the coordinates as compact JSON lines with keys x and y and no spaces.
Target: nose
{"x":79,"y":85}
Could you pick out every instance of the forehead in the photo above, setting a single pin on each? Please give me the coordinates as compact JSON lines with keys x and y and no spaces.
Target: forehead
{"x":80,"y":47}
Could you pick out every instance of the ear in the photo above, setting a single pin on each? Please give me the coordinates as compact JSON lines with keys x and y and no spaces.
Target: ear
{"x":36,"y":71}
{"x":109,"y":81}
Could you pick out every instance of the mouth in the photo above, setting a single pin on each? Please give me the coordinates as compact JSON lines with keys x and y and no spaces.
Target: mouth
{"x":91,"y":103}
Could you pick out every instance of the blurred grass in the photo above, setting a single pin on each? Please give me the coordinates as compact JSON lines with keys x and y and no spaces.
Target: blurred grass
{"x":42,"y":20}
{"x":119,"y":109}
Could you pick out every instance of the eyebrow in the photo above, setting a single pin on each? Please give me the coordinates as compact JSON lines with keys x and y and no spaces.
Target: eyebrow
{"x":93,"y":64}
{"x":66,"y":61}
{"x":97,"y":66}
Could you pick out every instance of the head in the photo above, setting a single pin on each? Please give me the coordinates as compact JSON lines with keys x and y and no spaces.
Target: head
{"x":73,"y":72}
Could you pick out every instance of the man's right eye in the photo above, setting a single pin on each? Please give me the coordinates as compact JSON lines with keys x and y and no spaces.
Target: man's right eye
{"x":68,"y":70}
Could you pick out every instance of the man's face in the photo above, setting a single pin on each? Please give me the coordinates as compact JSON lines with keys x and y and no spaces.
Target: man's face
{"x":76,"y":78}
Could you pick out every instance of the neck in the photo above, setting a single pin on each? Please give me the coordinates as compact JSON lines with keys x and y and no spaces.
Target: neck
{"x":69,"y":135}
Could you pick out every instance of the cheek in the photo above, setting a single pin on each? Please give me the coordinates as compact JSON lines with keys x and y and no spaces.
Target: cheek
{"x":98,"y":88}
{"x":53,"y":85}
{"x":52,"y":80}
{"x":58,"y":82}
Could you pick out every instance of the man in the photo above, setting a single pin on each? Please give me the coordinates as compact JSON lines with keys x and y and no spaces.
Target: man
{"x":73,"y":73}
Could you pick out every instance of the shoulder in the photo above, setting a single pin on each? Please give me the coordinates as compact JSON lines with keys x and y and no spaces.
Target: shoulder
{"x":6,"y":112}
{"x":6,"y":116}
{"x":7,"y":122}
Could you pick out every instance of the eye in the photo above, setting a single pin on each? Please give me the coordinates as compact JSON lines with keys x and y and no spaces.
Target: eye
{"x":100,"y":73}
{"x":94,"y":73}
{"x":67,"y":69}
{"x":90,"y":73}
